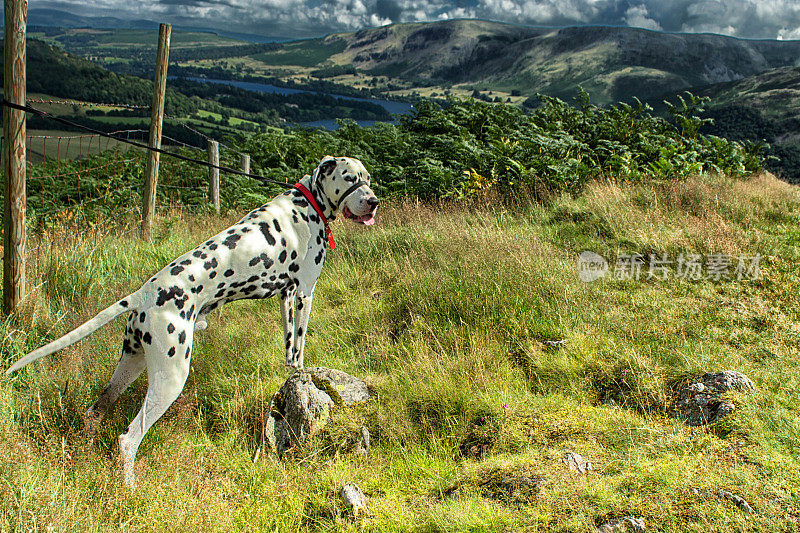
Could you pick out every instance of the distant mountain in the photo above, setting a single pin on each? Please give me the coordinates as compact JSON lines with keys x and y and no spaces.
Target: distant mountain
{"x":611,"y":63}
{"x":64,"y":19}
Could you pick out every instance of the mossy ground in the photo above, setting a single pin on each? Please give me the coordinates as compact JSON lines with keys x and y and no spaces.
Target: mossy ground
{"x":444,"y":310}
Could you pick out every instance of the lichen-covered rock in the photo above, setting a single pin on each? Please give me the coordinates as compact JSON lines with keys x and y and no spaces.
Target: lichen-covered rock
{"x":362,"y":446}
{"x":700,"y":400}
{"x":302,"y":406}
{"x":575,"y":461}
{"x":740,"y":502}
{"x":620,"y":525}
{"x":354,"y":499}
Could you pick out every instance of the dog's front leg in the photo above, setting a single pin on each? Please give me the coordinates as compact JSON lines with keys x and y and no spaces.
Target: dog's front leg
{"x":287,"y":314}
{"x":301,"y":327}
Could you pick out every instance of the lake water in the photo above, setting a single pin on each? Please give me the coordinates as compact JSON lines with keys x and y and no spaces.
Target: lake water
{"x":396,"y":108}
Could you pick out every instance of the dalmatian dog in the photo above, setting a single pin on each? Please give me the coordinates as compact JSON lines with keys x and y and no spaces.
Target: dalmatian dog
{"x":278,"y":248}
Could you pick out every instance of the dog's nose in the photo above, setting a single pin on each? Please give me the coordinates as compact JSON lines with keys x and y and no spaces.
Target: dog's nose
{"x":372,"y":201}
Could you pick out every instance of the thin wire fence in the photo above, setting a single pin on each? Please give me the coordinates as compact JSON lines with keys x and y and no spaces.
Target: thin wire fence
{"x":86,"y":188}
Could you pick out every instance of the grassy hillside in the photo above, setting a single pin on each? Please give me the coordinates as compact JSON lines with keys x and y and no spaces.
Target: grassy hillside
{"x":444,"y":310}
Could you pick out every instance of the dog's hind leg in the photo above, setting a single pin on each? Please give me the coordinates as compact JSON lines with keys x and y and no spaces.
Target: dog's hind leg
{"x":130,"y":366}
{"x":166,"y":378}
{"x":167,"y":370}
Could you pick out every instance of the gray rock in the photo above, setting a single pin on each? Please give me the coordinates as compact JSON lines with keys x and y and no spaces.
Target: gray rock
{"x":724,"y":494}
{"x":577,"y":462}
{"x":303,"y":405}
{"x":362,"y":445}
{"x":700,"y":400}
{"x":738,"y":500}
{"x":354,"y":499}
{"x":620,"y":525}
{"x":728,"y":380}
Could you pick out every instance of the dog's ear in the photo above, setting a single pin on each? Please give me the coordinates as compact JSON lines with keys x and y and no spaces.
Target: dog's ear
{"x":327,"y":165}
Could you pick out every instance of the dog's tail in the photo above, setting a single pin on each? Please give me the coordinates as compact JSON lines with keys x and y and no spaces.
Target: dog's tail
{"x":101,"y":319}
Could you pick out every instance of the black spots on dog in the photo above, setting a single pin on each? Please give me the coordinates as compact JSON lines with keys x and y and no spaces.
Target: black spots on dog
{"x":171,"y":328}
{"x":176,"y":270}
{"x":209,"y":243}
{"x":319,"y":240}
{"x":208,"y":265}
{"x":246,"y":230}
{"x":220,"y":293}
{"x":228,"y":273}
{"x":294,"y":267}
{"x":320,"y":256}
{"x":251,"y":279}
{"x":190,"y":314}
{"x":276,"y":225}
{"x":197,"y":253}
{"x":282,"y":257}
{"x":142,"y":316}
{"x":231,"y":231}
{"x":220,"y":285}
{"x":171,"y":352}
{"x":254,"y":261}
{"x":188,"y":352}
{"x":197,"y":289}
{"x":315,"y":218}
{"x":147,"y":338}
{"x":182,"y":337}
{"x":126,"y":346}
{"x":272,"y":277}
{"x":230,"y":242}
{"x":183,"y":315}
{"x":294,"y":255}
{"x":212,"y":246}
{"x":301,"y":202}
{"x":300,"y":331}
{"x":185,"y":262}
{"x":264,"y":227}
{"x":283,"y":242}
{"x":294,"y":217}
{"x":191,"y":278}
{"x":300,"y":304}
{"x":336,"y":191}
{"x":166,"y":295}
{"x":124,"y":303}
{"x":304,"y":216}
{"x":212,"y":275}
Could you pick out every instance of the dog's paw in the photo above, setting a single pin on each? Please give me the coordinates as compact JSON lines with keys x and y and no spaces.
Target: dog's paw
{"x":294,"y":367}
{"x":200,"y":325}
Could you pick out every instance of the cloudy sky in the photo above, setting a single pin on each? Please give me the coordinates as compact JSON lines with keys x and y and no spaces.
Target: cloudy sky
{"x":773,"y":19}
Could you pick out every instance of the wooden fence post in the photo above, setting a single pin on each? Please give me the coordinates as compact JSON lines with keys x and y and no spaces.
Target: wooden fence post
{"x":16,"y":17}
{"x":213,"y":173}
{"x":244,"y":163}
{"x":156,"y":121}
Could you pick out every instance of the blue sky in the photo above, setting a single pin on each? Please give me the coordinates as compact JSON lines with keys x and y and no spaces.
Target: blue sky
{"x":771,"y":19}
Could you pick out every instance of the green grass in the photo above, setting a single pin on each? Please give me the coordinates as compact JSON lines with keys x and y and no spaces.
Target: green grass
{"x":309,"y":53}
{"x":443,"y":310}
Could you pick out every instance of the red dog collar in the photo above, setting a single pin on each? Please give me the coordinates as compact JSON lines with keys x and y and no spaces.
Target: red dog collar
{"x":310,"y":197}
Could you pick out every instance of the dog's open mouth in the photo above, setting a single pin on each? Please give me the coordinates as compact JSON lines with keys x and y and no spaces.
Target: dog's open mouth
{"x":367,"y":220}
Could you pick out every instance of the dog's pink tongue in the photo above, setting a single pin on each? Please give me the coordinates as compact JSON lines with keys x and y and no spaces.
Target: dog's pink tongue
{"x":367,"y":220}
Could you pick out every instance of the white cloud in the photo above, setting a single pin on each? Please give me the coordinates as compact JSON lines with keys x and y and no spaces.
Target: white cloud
{"x":638,"y":17}
{"x":303,"y":18}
